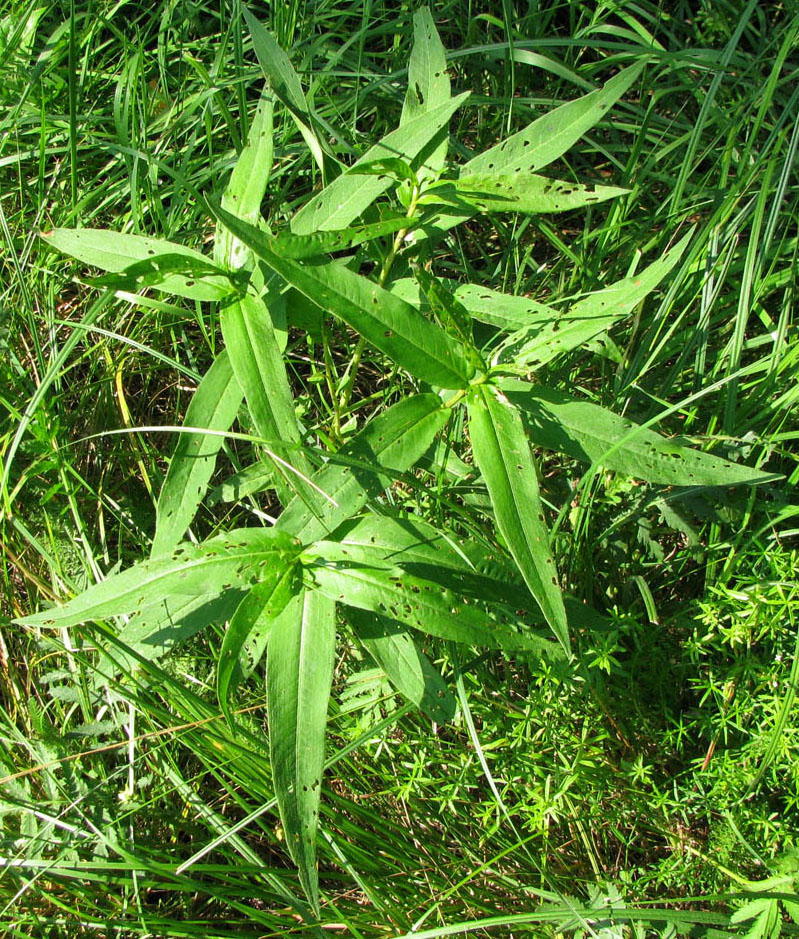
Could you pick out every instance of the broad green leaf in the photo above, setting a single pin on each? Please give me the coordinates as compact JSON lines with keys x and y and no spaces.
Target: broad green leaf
{"x":328,"y":242}
{"x":461,"y":563}
{"x":247,"y":186}
{"x":527,"y":193}
{"x":383,"y":319}
{"x":349,"y":195}
{"x":258,"y":364}
{"x":237,"y":559}
{"x":594,"y":435}
{"x":214,"y":406}
{"x":285,"y":82}
{"x":406,"y":666}
{"x":425,"y":604}
{"x":255,"y":478}
{"x":543,"y":339}
{"x":256,"y":612}
{"x":298,"y":680}
{"x":393,"y":441}
{"x":147,"y":262}
{"x":502,"y":453}
{"x":159,"y":627}
{"x":550,"y":136}
{"x":504,"y":311}
{"x":428,"y":82}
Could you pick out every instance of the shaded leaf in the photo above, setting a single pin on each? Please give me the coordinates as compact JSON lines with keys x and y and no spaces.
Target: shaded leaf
{"x":256,"y":612}
{"x":597,"y":436}
{"x":502,"y":453}
{"x":393,"y":441}
{"x":405,"y":665}
{"x":214,"y":406}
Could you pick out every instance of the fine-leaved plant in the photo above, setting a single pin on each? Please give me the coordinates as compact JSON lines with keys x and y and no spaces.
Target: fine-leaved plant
{"x":338,"y":552}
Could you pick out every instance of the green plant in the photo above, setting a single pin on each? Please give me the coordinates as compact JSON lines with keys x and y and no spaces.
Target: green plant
{"x":462,"y":390}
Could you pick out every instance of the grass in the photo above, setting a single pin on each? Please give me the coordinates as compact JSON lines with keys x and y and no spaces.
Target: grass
{"x":660,"y":775}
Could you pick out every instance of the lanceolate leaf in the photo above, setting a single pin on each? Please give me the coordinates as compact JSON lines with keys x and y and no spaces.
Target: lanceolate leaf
{"x":214,"y":406}
{"x":237,"y":559}
{"x":286,"y":84}
{"x":248,"y":182}
{"x":149,"y":262}
{"x":258,"y":610}
{"x":406,"y":666}
{"x":463,"y":564}
{"x":254,"y":353}
{"x":504,"y":311}
{"x":550,"y":136}
{"x":540,"y":341}
{"x":157,"y":628}
{"x":393,"y":441}
{"x":425,"y":604}
{"x":428,"y":82}
{"x":502,"y":453}
{"x":387,"y":322}
{"x":590,"y":433}
{"x":350,"y":194}
{"x":298,"y":680}
{"x":528,"y":193}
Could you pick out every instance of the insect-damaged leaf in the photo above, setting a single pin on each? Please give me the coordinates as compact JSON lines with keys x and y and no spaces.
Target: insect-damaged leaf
{"x":597,"y":436}
{"x":528,"y":193}
{"x":257,"y":612}
{"x":502,"y":453}
{"x":406,"y":666}
{"x":384,"y":319}
{"x":236,"y":559}
{"x":298,"y":680}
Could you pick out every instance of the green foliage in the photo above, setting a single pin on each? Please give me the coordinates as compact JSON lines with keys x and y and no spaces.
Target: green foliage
{"x":293,"y":596}
{"x":439,"y":442}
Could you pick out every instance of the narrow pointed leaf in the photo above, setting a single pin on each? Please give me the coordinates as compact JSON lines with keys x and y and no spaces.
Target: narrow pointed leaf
{"x":393,"y":441}
{"x":247,"y":186}
{"x":286,"y":84}
{"x":256,"y":613}
{"x":298,"y":681}
{"x":234,"y":560}
{"x":146,"y":262}
{"x":406,"y":666}
{"x":528,"y":193}
{"x":428,"y":81}
{"x":349,"y":195}
{"x":214,"y":406}
{"x":383,"y":319}
{"x":597,"y":436}
{"x":258,"y":364}
{"x":428,"y":605}
{"x":502,"y":453}
{"x":463,"y":564}
{"x":157,"y":628}
{"x":543,"y":339}
{"x":504,"y":311}
{"x":550,"y":136}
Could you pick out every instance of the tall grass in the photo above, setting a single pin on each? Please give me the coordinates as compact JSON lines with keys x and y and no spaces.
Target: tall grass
{"x":658,"y":779}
